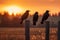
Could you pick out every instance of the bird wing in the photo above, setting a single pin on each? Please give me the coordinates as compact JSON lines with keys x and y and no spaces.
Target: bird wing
{"x":35,"y":17}
{"x":24,"y":16}
{"x":45,"y":16}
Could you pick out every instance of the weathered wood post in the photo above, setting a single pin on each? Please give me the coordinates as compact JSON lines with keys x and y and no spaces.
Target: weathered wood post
{"x":47,"y":30}
{"x":27,"y":30}
{"x":58,"y":30}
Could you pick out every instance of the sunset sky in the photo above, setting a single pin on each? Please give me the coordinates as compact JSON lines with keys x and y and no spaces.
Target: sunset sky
{"x":33,"y":5}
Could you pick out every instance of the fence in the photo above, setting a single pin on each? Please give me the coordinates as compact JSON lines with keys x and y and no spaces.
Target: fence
{"x":27,"y":30}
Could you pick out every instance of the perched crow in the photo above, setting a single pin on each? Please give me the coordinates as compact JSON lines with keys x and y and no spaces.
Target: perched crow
{"x":45,"y":16}
{"x":35,"y":18}
{"x":24,"y":16}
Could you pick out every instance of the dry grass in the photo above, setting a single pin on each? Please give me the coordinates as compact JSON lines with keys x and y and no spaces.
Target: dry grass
{"x":19,"y":34}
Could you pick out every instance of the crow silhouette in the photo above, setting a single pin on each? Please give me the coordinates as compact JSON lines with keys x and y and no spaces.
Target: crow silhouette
{"x":24,"y":16}
{"x":45,"y":16}
{"x":35,"y":18}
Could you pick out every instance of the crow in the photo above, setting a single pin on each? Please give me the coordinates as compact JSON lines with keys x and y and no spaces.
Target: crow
{"x":35,"y":18}
{"x":24,"y":16}
{"x":45,"y":16}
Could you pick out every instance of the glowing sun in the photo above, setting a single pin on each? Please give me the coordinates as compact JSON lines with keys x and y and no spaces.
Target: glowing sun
{"x":13,"y":9}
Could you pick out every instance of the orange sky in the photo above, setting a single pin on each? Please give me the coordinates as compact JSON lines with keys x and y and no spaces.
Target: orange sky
{"x":33,"y":5}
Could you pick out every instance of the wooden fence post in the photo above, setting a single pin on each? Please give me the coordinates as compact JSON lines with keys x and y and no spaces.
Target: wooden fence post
{"x":27,"y":30}
{"x":58,"y":30}
{"x":47,"y":30}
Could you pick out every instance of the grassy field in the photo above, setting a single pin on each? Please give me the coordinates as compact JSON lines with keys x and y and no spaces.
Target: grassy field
{"x":19,"y":33}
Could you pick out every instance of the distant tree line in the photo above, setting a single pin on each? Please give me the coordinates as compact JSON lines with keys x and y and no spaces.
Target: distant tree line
{"x":7,"y":20}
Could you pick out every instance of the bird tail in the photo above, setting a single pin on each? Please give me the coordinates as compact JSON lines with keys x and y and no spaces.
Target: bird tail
{"x":21,"y":21}
{"x":34,"y":23}
{"x":42,"y":22}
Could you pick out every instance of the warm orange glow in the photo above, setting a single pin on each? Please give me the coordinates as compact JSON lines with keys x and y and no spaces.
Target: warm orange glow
{"x":13,"y":9}
{"x":34,"y":5}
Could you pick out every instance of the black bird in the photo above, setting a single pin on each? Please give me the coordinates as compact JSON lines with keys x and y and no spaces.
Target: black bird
{"x":45,"y":16}
{"x":35,"y":18}
{"x":24,"y":16}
